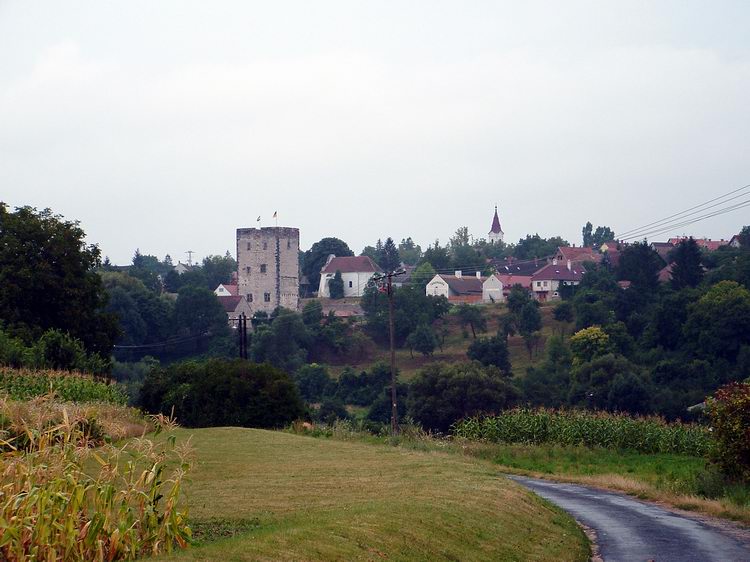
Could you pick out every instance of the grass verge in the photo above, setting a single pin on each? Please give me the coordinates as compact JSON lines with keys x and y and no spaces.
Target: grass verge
{"x":315,"y":499}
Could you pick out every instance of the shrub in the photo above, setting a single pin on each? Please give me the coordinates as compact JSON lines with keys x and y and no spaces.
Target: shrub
{"x":442,"y":394}
{"x":221,"y":392}
{"x":729,"y":412}
{"x":491,"y":352}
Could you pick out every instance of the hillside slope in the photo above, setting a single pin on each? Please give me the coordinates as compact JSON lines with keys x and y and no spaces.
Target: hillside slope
{"x":332,"y":500}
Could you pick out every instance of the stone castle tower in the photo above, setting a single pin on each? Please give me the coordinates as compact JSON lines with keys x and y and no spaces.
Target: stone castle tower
{"x":496,"y":233}
{"x":268,"y":267}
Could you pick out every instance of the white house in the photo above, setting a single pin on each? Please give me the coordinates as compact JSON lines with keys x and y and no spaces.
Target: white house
{"x":356,"y":272}
{"x":492,"y":289}
{"x":545,"y":283}
{"x":458,"y":288}
{"x":225,"y":290}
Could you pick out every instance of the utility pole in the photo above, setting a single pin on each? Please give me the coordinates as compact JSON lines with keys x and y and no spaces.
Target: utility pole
{"x":190,"y":257}
{"x":387,"y":284}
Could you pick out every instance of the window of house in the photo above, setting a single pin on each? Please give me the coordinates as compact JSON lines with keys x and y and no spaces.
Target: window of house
{"x":267,"y":297}
{"x":350,"y":284}
{"x":545,"y":283}
{"x":262,"y":268}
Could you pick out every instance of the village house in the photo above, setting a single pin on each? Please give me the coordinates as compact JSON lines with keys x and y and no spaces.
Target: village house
{"x":226,"y":290}
{"x":511,"y":272}
{"x":735,"y":241}
{"x":703,"y":243}
{"x":576,"y":255}
{"x":663,"y":249}
{"x":469,"y":289}
{"x":546,"y":282}
{"x":356,"y":271}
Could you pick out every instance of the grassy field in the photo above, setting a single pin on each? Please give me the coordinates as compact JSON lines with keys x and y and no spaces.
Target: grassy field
{"x":457,"y":342}
{"x":301,"y":498}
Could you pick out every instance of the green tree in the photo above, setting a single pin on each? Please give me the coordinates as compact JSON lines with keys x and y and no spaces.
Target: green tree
{"x":199,"y":318}
{"x":442,"y":394}
{"x":598,"y":237}
{"x":315,"y":258}
{"x":48,"y":280}
{"x":218,"y":269}
{"x":336,"y":286}
{"x":588,"y":344}
{"x":312,"y":313}
{"x":534,"y":246}
{"x":422,"y":275}
{"x":564,"y":313}
{"x":687,"y":270}
{"x":610,"y":382}
{"x":409,"y":252}
{"x":518,"y":297}
{"x":423,"y":340}
{"x":313,"y":382}
{"x":285,"y":343}
{"x":640,"y":265}
{"x":438,"y":256}
{"x":221,"y":392}
{"x":718,"y":324}
{"x":491,"y":351}
{"x":529,"y":325}
{"x":388,"y":257}
{"x":472,"y":316}
{"x":548,"y":383}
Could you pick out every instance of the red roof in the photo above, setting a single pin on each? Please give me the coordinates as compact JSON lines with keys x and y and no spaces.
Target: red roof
{"x":230,"y":302}
{"x":707,"y":243}
{"x":233,"y":289}
{"x":665,"y":275}
{"x":579,"y":254}
{"x":496,"y":224}
{"x":351,"y":264}
{"x":559,"y":273}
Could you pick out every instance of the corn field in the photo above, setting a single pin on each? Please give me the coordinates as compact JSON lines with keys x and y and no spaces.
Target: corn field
{"x":22,"y":384}
{"x":64,"y":495}
{"x":591,"y":429}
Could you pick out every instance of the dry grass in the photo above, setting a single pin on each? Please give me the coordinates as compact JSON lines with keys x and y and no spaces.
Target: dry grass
{"x":330,"y":500}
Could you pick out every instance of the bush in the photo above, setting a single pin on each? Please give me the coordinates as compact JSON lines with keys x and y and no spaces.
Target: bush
{"x":443,"y":394}
{"x":491,"y":352}
{"x":729,"y":412}
{"x":313,"y":382}
{"x":221,"y":392}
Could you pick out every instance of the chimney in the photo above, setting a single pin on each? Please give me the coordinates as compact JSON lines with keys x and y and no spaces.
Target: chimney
{"x":458,"y":273}
{"x":479,"y":274}
{"x":568,"y":265}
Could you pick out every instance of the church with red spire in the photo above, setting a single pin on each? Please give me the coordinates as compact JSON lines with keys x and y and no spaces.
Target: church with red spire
{"x":496,"y":232}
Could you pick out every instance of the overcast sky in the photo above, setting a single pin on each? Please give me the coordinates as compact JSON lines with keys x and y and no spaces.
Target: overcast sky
{"x":167,"y":125}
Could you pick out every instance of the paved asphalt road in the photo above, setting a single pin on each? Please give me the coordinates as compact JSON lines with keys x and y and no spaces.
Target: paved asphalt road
{"x":628,"y":529}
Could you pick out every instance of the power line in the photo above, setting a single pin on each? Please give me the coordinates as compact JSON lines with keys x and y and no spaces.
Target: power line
{"x":165,"y":343}
{"x":635,"y":232}
{"x":672,"y":226}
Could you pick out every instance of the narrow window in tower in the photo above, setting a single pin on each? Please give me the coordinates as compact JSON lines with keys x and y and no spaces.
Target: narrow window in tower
{"x":247,"y":269}
{"x":249,"y":245}
{"x":288,"y":244}
{"x":262,"y":268}
{"x":350,"y":284}
{"x":249,"y":297}
{"x":265,"y":245}
{"x":267,"y":297}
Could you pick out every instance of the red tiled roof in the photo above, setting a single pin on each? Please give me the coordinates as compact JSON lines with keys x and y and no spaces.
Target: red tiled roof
{"x":230,"y":302}
{"x":707,"y":243}
{"x":665,"y":275}
{"x":496,"y":223}
{"x":579,"y":254}
{"x":233,"y":289}
{"x":559,"y":272}
{"x":351,"y":264}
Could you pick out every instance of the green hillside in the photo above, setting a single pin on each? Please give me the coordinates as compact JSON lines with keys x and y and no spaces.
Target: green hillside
{"x":312,"y":499}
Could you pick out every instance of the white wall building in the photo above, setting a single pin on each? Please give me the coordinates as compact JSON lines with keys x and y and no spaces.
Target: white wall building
{"x":356,"y":271}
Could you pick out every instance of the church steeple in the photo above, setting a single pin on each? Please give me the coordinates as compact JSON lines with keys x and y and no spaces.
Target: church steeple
{"x":496,"y":232}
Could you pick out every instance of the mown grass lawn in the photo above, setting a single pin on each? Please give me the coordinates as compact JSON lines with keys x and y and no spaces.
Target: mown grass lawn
{"x":314,"y":499}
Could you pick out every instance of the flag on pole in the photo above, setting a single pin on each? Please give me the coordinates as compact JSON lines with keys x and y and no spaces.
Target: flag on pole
{"x":274,"y":214}
{"x":258,"y":219}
